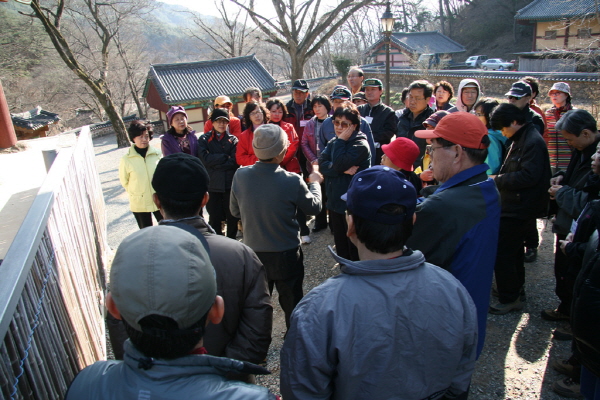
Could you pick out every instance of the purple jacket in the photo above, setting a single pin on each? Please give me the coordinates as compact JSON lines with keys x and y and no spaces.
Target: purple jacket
{"x":309,"y":144}
{"x":169,"y":144}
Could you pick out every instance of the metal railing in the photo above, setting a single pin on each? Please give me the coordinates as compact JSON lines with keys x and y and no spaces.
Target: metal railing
{"x":52,"y":285}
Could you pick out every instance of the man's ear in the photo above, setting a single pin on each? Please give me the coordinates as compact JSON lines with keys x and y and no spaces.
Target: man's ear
{"x":111,"y":306}
{"x":351,"y":228}
{"x":204,"y":201}
{"x":156,"y":200}
{"x":215,"y":314}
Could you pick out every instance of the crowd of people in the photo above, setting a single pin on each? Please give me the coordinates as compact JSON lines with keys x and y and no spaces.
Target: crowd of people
{"x":426,"y":206}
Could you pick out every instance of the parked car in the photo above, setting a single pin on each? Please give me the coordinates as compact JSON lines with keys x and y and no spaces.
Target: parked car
{"x":475,"y":61}
{"x":497,"y":64}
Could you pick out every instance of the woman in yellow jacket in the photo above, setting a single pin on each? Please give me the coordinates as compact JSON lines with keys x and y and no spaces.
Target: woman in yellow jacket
{"x":136,"y":171}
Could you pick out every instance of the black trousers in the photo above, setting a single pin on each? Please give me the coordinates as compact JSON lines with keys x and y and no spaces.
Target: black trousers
{"x":343,"y":246}
{"x":532,"y":237}
{"x":144,"y":219}
{"x":218,"y":211}
{"x":321,"y":218}
{"x":564,"y":281}
{"x":510,"y":266}
{"x":285,"y":271}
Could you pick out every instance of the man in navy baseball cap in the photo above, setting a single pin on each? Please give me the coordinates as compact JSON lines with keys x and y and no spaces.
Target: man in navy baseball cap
{"x":381,"y":313}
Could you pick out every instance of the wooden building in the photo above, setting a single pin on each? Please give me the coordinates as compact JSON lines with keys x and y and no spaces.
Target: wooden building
{"x":407,"y":47}
{"x":34,"y":123}
{"x":566,"y":36}
{"x":195,"y":86}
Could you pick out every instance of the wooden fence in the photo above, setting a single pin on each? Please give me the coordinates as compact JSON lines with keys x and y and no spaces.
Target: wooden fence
{"x":52,"y":285}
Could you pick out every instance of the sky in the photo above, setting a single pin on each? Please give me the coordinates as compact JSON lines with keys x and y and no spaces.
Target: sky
{"x":266,"y":5}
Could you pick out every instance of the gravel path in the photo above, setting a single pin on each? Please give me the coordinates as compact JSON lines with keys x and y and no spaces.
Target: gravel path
{"x":515,"y":363}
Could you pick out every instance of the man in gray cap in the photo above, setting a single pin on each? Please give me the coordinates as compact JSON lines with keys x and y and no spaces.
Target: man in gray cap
{"x":163,"y":288}
{"x":181,"y":183}
{"x":266,"y":197}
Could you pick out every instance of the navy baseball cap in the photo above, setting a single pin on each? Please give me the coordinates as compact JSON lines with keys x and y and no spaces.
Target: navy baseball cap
{"x":300,"y":84}
{"x":519,"y":89}
{"x":342,"y":93}
{"x":376,"y":187}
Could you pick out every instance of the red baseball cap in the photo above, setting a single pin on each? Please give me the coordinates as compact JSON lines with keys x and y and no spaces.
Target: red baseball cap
{"x":461,"y":128}
{"x":402,"y":152}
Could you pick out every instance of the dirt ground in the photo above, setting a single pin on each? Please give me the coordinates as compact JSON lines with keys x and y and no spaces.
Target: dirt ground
{"x":515,"y":362}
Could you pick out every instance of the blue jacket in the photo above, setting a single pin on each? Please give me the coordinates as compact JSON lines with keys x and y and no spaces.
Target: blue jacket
{"x":496,"y":151}
{"x":190,"y":377}
{"x":382,"y":329}
{"x":328,"y":132}
{"x":466,"y":242}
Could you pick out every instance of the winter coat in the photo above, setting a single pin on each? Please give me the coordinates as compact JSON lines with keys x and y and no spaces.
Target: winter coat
{"x":337,"y":157}
{"x":571,"y":198}
{"x":328,"y":133}
{"x":218,"y":156}
{"x":189,"y":377}
{"x":398,"y":328}
{"x":294,"y":115}
{"x":170,"y":144}
{"x":407,"y":126}
{"x":524,"y":178}
{"x":290,"y":161}
{"x":558,"y":148}
{"x":384,"y":123}
{"x":465,"y":243}
{"x":496,"y":151}
{"x":135,"y":174}
{"x":245,"y":332}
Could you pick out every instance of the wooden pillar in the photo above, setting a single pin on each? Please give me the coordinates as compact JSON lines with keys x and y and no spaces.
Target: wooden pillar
{"x":7,"y":131}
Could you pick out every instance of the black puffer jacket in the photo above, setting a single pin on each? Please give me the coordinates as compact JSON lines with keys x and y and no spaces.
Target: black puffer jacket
{"x":338,"y":156}
{"x":218,"y":157}
{"x":524,"y":177}
{"x":407,"y":128}
{"x":585,"y":313}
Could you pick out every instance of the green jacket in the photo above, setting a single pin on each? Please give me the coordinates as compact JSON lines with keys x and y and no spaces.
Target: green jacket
{"x":135,"y":174}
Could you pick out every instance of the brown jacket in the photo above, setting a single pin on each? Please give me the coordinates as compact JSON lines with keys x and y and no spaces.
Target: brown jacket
{"x":245,"y":331}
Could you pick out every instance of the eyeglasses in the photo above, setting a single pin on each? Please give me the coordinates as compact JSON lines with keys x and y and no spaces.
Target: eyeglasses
{"x":255,"y":113}
{"x":409,"y":97}
{"x":343,"y":124}
{"x":431,"y":149}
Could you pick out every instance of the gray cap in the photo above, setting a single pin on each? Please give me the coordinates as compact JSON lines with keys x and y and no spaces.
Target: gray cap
{"x":162,"y":270}
{"x":561,"y":87}
{"x":269,"y":141}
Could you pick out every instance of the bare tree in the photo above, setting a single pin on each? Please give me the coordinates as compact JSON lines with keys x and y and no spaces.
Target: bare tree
{"x":229,"y":37}
{"x":83,"y":33}
{"x":299,"y":29}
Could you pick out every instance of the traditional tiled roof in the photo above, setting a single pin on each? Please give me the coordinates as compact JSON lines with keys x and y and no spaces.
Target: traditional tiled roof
{"x":423,"y":42}
{"x":34,"y":119}
{"x":553,"y":10}
{"x":184,"y":83}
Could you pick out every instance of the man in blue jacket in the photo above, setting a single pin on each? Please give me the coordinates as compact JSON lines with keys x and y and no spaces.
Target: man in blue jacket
{"x":390,"y":326}
{"x":457,"y":226}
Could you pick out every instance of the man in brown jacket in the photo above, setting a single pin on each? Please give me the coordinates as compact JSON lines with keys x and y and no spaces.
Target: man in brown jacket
{"x":181,"y":185}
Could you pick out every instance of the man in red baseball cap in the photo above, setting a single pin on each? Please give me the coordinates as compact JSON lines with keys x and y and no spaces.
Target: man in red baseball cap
{"x":457,"y":226}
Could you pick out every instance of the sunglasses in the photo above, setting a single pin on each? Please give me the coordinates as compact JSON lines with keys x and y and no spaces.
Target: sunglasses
{"x":343,"y":124}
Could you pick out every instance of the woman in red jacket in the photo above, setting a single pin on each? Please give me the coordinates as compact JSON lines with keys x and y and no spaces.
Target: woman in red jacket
{"x":255,"y":114}
{"x":276,"y":112}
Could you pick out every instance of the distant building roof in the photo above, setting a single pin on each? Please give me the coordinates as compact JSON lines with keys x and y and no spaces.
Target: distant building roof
{"x":423,"y":42}
{"x":553,"y":10}
{"x":185,"y":83}
{"x":34,"y":119}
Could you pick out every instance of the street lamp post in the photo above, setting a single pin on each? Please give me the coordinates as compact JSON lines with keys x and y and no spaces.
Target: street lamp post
{"x":387,"y":26}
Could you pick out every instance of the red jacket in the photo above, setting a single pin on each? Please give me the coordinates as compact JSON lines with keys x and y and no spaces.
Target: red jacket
{"x":244,"y":155}
{"x":235,"y":126}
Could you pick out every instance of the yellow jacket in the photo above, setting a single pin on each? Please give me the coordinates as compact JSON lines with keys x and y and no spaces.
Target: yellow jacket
{"x":135,"y":174}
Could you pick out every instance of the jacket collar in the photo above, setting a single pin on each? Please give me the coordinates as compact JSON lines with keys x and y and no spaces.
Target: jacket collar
{"x":151,"y":150}
{"x":408,"y":261}
{"x":464,"y":176}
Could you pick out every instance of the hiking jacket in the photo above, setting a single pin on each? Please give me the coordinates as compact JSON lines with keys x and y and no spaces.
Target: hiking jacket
{"x":384,"y":124}
{"x":135,"y":174}
{"x":337,"y":157}
{"x":465,"y":243}
{"x":407,"y":128}
{"x":399,"y":328}
{"x":524,"y":178}
{"x":328,"y":133}
{"x":245,"y":331}
{"x":571,"y":198}
{"x":169,"y":143}
{"x":218,"y":156}
{"x":190,"y":377}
